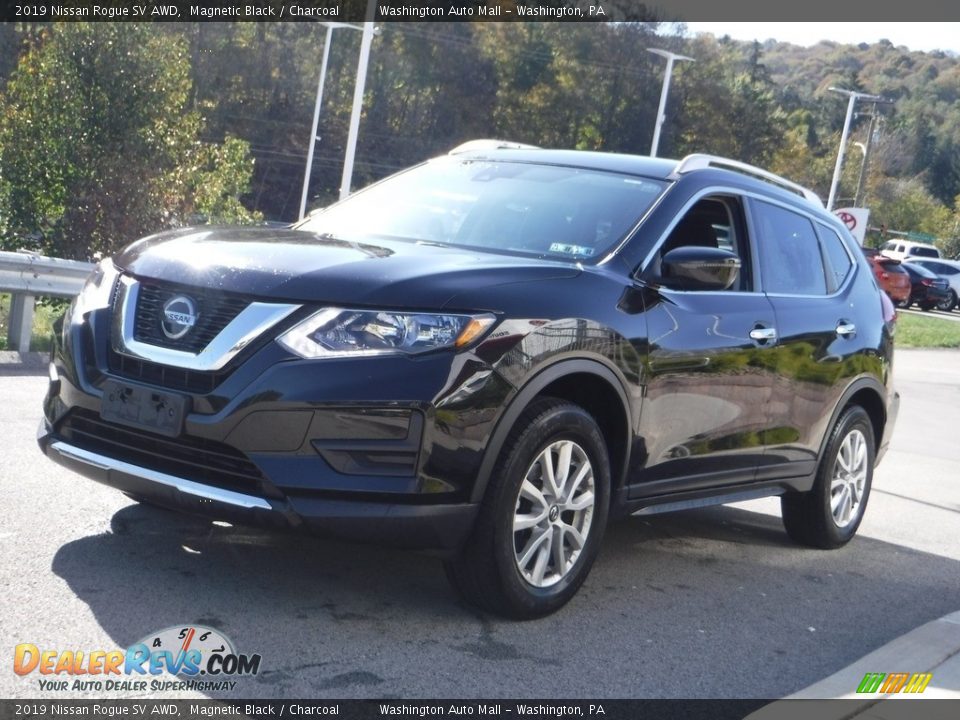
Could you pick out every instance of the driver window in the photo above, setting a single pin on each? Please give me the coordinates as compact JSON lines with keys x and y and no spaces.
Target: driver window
{"x":714,"y":222}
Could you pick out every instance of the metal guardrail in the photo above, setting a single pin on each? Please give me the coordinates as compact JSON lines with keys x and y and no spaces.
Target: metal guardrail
{"x":27,"y":276}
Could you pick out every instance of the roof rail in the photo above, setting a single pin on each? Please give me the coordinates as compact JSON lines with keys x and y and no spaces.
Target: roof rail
{"x":700,"y":161}
{"x":490,"y":145}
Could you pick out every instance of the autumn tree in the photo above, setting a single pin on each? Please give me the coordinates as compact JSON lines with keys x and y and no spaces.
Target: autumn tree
{"x":98,"y":145}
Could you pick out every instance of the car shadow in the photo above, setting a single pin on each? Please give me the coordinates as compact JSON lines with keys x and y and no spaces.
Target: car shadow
{"x":715,"y":602}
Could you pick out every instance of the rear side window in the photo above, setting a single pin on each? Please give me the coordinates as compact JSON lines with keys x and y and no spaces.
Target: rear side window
{"x":789,"y":251}
{"x":838,"y":261}
{"x":939,"y":268}
{"x":924,"y":252}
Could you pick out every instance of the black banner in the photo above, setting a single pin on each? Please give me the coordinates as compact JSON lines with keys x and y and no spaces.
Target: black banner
{"x":472,"y":10}
{"x":909,"y":709}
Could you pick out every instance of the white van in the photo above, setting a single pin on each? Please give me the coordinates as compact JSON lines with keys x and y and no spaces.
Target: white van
{"x":903,"y":249}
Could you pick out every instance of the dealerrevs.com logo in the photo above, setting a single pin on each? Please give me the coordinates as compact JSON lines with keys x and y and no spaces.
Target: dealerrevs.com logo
{"x":202,"y":658}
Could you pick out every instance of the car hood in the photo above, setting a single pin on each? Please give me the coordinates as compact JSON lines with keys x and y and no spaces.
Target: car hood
{"x":294,"y":265}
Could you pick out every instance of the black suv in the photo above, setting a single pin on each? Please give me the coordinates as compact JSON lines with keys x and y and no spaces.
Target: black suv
{"x":488,"y":356}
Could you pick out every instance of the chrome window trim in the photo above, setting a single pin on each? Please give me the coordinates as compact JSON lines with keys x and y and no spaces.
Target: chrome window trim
{"x":750,"y":195}
{"x":190,"y":487}
{"x":247,"y":326}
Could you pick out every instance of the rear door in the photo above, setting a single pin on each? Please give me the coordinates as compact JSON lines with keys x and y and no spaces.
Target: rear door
{"x":806,"y":271}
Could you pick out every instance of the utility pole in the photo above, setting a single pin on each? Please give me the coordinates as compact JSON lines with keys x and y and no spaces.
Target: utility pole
{"x":853,"y":97}
{"x":858,"y":198}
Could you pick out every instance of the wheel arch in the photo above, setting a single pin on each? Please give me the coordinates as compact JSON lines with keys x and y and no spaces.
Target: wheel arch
{"x":587,"y":383}
{"x":869,"y":394}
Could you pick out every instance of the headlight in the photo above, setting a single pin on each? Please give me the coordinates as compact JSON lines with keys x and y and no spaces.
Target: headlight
{"x":97,"y":289}
{"x":335,"y":332}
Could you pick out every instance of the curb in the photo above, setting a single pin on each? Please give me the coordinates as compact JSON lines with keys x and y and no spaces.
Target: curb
{"x":23,"y":363}
{"x":931,"y":648}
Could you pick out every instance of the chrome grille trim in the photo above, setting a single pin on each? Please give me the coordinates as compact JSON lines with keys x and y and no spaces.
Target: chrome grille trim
{"x":251,"y":323}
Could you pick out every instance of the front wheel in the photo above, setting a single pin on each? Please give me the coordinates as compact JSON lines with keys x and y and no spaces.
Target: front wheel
{"x":829,"y":514}
{"x":543,"y":516}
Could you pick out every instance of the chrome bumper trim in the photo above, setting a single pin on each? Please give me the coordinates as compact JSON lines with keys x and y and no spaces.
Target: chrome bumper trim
{"x":208,"y":492}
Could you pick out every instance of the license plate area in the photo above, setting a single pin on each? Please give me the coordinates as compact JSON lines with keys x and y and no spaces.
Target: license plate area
{"x":143,"y":407}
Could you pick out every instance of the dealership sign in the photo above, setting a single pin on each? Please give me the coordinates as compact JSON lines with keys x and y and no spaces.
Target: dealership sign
{"x":856,"y":221}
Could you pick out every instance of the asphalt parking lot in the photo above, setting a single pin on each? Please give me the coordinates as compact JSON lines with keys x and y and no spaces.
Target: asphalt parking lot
{"x":709,"y":603}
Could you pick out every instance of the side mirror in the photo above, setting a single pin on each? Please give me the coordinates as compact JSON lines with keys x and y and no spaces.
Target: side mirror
{"x":699,"y":268}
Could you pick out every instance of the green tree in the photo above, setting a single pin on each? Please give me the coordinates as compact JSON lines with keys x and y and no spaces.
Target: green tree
{"x":98,"y":145}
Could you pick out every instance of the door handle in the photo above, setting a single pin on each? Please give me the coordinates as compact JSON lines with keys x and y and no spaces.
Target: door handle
{"x":846,"y":329}
{"x":763,"y":334}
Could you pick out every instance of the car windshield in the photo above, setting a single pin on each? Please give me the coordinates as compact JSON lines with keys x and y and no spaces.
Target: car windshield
{"x":542,"y":210}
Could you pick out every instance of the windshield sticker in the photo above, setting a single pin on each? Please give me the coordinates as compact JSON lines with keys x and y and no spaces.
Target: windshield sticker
{"x":565,"y":249}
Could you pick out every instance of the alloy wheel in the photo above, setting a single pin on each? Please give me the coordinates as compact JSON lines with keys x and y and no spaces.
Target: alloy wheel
{"x":553,"y":514}
{"x":848,"y":479}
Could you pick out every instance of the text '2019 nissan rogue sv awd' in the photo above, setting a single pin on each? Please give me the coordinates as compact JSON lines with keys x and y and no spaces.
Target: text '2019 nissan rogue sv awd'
{"x":488,"y":356}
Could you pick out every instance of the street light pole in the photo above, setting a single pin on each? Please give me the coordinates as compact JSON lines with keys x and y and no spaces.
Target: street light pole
{"x":368,"y":32}
{"x":853,"y":97}
{"x":664,"y":91}
{"x":331,"y":26}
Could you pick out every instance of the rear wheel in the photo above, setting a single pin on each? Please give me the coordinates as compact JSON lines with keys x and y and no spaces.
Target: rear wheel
{"x":543,"y":517}
{"x":948,"y":303}
{"x":829,"y":514}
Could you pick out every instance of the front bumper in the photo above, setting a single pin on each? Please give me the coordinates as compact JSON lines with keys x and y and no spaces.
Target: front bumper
{"x":381,"y":450}
{"x":439,"y":528}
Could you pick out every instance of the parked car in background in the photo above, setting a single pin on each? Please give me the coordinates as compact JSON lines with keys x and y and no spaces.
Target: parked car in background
{"x":949,"y":270}
{"x":903,"y":249}
{"x":927,"y":289}
{"x":891,"y":278}
{"x":486,"y":356}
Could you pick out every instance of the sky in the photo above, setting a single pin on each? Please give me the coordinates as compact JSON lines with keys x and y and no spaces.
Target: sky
{"x":915,"y":35}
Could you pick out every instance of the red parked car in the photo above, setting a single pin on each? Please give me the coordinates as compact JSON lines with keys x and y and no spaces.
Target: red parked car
{"x":891,"y":278}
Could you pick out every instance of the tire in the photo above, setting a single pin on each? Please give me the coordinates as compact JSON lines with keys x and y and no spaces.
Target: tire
{"x":810,"y":518}
{"x":507,"y":570}
{"x":949,"y":303}
{"x":903,"y":304}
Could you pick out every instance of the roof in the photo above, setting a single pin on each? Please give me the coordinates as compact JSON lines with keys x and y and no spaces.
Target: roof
{"x":705,"y":167}
{"x":660,"y":168}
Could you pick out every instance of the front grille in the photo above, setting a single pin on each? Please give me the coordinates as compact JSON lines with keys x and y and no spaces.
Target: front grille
{"x":166,"y":376}
{"x":197,"y":459}
{"x":214,"y":309}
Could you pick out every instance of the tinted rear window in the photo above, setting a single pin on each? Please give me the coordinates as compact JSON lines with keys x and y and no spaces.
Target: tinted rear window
{"x":924,"y":252}
{"x":839,"y":261}
{"x":789,"y":252}
{"x":500,"y":206}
